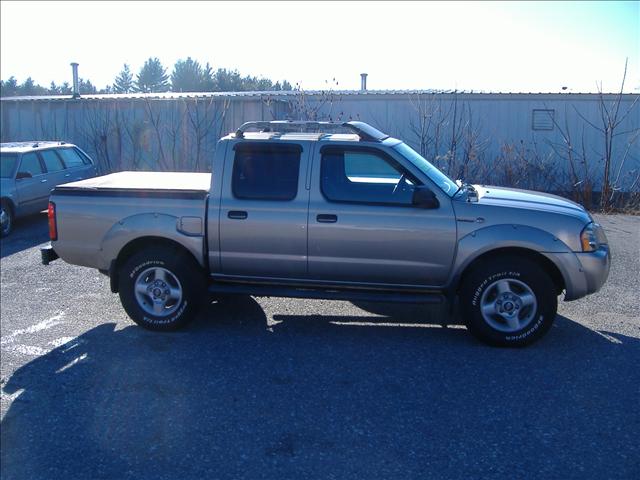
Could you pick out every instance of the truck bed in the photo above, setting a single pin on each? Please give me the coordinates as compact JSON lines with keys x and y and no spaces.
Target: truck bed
{"x":132,"y":183}
{"x":96,"y":217}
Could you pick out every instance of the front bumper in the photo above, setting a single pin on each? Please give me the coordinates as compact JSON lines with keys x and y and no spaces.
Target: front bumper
{"x":48,"y":254}
{"x":595,"y":267}
{"x":583,"y":272}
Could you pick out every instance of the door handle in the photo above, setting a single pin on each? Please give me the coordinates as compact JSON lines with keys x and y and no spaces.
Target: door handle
{"x":237,"y":214}
{"x":43,"y":180}
{"x":324,"y":218}
{"x":67,"y":175}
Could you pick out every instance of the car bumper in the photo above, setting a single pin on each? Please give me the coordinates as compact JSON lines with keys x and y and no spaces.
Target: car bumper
{"x":583,"y":272}
{"x":48,"y":254}
{"x":595,"y":267}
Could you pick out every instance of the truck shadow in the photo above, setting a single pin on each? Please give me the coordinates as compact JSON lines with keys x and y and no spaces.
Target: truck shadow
{"x":27,"y":232}
{"x":236,"y":396}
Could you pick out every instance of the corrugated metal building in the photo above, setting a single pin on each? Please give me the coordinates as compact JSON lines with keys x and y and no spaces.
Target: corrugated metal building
{"x":545,"y":141}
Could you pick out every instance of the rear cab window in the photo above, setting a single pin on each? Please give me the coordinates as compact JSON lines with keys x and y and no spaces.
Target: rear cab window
{"x":266,"y":171}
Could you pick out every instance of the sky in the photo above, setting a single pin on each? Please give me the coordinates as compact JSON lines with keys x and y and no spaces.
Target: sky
{"x":480,"y":46}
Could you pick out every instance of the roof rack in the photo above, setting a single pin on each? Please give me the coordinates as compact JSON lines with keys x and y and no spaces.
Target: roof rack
{"x":365,"y":131}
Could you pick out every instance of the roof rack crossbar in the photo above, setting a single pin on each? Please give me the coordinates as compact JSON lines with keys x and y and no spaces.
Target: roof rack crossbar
{"x":365,"y":131}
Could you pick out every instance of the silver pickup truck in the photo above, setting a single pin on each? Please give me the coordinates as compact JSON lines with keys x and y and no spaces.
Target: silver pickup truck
{"x":332,"y":211}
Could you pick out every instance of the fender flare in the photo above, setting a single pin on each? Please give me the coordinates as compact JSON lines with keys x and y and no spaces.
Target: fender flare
{"x":149,"y":225}
{"x":496,"y":237}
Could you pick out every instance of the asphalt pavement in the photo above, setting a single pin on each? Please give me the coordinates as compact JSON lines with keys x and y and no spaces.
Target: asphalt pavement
{"x":296,"y":389}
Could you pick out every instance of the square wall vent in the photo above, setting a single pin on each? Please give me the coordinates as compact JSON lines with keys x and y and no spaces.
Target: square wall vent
{"x":542,"y":119}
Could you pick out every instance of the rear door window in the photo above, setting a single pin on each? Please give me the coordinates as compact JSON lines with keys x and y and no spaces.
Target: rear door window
{"x":51,"y":161}
{"x":30,"y":163}
{"x":266,"y":172}
{"x":71,"y":158}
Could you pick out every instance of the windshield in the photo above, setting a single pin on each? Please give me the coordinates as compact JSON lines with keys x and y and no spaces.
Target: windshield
{"x":7,"y":164}
{"x":447,"y":185}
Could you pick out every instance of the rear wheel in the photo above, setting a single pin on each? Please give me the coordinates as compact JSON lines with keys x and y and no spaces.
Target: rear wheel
{"x":6,"y":218}
{"x":161,"y":288}
{"x":509,"y":301}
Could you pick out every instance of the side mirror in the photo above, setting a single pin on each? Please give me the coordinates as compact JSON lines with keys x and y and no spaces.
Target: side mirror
{"x":423,"y":197}
{"x":20,"y":175}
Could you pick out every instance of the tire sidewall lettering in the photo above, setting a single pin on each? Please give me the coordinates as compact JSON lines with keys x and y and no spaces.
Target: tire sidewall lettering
{"x":523,"y":335}
{"x":175,"y":317}
{"x":158,"y":320}
{"x":477,"y":293}
{"x":143,"y":265}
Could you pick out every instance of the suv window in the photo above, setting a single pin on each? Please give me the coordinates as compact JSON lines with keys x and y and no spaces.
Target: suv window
{"x":51,"y":160}
{"x":266,"y":172}
{"x":85,"y":158}
{"x":7,"y":164}
{"x":70,"y":157}
{"x":364,"y":177}
{"x":31,"y":163}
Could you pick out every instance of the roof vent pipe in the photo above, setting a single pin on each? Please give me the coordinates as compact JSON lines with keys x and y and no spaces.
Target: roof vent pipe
{"x":363,"y":81}
{"x":76,"y":88}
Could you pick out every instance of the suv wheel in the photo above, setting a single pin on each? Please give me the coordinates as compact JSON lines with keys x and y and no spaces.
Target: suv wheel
{"x":161,"y":289}
{"x":508,"y":302}
{"x":6,"y":218}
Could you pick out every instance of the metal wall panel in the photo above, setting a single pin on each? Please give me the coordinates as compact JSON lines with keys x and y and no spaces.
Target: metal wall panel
{"x":481,"y":136}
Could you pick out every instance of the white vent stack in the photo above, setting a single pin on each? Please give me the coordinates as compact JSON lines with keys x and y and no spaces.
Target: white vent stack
{"x":363,"y":81}
{"x":76,"y":87}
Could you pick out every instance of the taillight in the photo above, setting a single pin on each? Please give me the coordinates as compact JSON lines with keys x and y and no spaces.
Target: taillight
{"x":53,"y":227}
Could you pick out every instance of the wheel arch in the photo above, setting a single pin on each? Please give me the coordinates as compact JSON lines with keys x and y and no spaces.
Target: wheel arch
{"x":10,"y":203}
{"x":138,"y":244}
{"x":547,"y":264}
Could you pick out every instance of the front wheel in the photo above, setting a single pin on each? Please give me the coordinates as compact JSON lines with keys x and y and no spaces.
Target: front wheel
{"x":508,"y":302}
{"x":161,"y":288}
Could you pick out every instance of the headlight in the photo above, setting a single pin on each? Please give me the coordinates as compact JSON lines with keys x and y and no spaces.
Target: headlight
{"x":592,"y":237}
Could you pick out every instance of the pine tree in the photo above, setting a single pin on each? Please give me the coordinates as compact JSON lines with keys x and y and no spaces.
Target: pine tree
{"x":227,"y":80}
{"x":209,"y":83}
{"x":124,"y":81}
{"x":9,"y":88}
{"x":189,"y":76}
{"x":28,"y":87}
{"x":65,"y":89}
{"x":86,"y":87}
{"x":152,"y":77}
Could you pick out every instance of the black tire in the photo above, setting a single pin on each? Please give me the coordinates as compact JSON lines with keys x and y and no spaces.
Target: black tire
{"x":175,"y":312}
{"x":7,"y":211}
{"x":485,"y":285}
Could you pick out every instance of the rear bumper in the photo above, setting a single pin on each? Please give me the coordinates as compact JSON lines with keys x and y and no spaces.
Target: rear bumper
{"x":48,"y":254}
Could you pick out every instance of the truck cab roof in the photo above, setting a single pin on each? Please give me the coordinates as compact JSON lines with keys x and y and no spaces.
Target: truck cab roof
{"x":286,"y":130}
{"x":296,"y":136}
